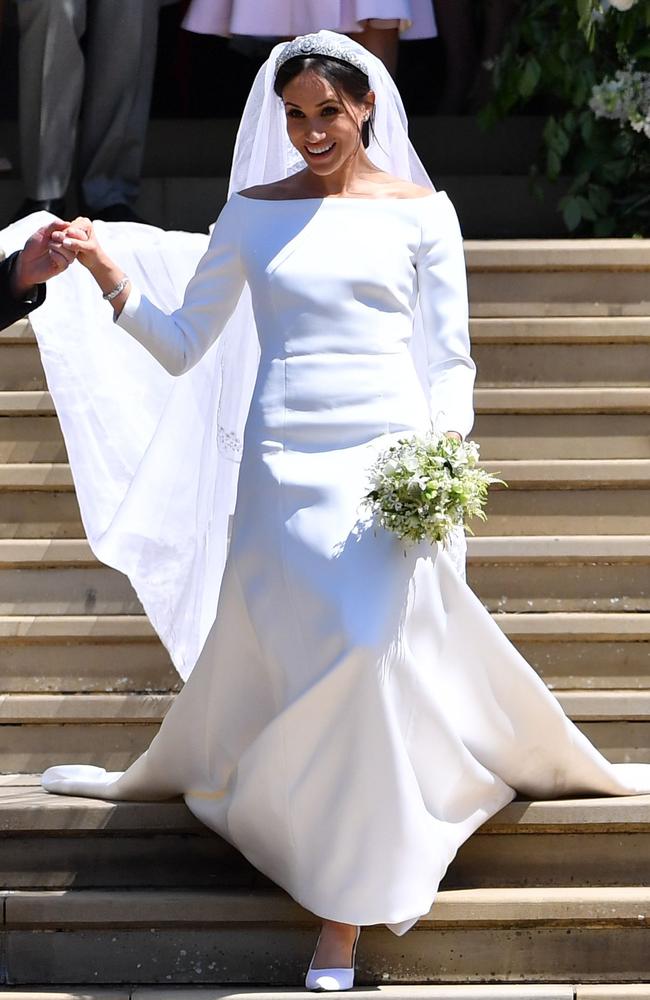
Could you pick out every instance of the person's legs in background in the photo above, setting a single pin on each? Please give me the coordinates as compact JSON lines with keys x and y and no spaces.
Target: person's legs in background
{"x":121,"y":60}
{"x":497,"y":16}
{"x":381,"y":37}
{"x":458,"y":35}
{"x":51,"y":79}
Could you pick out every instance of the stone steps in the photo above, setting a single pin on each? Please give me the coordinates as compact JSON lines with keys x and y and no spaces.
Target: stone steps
{"x":543,"y":351}
{"x":488,"y":399}
{"x":414,"y":992}
{"x":566,"y":573}
{"x":517,"y":574}
{"x":564,"y":351}
{"x":58,"y":842}
{"x":588,"y":650}
{"x":544,"y":496}
{"x":511,"y":423}
{"x":139,"y":893}
{"x":561,"y":278}
{"x":91,"y":653}
{"x":501,"y":991}
{"x":137,"y":708}
{"x":113,"y":729}
{"x":569,"y":496}
{"x":576,"y":934}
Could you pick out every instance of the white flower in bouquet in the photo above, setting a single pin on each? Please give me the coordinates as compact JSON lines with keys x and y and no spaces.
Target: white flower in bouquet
{"x":424,"y":487}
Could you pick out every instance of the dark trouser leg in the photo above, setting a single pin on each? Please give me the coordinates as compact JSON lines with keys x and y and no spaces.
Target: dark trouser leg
{"x":456,"y":28}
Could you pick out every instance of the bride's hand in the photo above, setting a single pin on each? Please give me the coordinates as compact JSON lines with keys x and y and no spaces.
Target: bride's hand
{"x":79,"y":237}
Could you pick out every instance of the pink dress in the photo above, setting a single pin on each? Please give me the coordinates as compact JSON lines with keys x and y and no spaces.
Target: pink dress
{"x":286,"y":18}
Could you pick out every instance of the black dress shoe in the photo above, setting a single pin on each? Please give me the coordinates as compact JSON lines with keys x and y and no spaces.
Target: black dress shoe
{"x":56,"y":206}
{"x":120,"y":212}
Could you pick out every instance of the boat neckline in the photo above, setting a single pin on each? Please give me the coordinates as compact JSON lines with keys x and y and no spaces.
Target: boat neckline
{"x":285,"y":201}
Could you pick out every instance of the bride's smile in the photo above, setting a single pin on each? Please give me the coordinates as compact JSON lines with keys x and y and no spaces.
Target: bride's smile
{"x":323,"y":124}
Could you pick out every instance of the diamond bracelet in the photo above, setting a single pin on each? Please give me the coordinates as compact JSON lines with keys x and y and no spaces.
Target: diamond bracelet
{"x":114,"y":292}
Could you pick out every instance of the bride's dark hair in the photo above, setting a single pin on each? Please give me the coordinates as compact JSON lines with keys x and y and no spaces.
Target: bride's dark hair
{"x":345,"y":78}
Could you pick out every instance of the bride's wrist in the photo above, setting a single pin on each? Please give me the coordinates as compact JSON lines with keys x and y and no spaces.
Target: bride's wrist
{"x":106,"y":273}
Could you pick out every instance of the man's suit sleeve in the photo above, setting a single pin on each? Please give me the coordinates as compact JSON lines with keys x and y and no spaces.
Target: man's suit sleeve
{"x":12,"y":309}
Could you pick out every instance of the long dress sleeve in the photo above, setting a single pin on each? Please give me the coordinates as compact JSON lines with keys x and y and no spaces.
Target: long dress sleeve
{"x":442,"y":282}
{"x":180,"y":339}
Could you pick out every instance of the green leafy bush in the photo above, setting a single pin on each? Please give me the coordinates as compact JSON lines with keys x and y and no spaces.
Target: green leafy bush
{"x":587,"y":67}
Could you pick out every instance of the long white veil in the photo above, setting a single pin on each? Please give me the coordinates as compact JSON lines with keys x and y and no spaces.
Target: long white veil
{"x":155,"y":458}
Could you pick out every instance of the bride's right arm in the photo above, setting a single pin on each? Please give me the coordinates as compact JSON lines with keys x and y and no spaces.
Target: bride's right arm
{"x":180,"y":339}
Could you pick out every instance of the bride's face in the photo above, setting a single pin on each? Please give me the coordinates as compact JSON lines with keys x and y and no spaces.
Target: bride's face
{"x":324,"y":127}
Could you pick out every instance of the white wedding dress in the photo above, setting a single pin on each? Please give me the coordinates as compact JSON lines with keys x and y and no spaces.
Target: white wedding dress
{"x":355,"y":713}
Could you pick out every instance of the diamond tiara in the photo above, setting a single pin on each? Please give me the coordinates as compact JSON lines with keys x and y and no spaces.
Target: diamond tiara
{"x":318,"y":45}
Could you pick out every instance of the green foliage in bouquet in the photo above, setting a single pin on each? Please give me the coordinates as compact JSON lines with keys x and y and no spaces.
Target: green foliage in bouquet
{"x":424,"y":487}
{"x":587,"y":64}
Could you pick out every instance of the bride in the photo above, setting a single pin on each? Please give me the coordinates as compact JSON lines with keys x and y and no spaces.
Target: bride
{"x":354,"y":713}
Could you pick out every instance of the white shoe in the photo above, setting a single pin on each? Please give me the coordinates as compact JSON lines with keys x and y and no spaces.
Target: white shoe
{"x":332,"y":979}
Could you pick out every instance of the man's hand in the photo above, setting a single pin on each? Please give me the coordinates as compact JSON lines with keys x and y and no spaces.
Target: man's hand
{"x":39,"y":260}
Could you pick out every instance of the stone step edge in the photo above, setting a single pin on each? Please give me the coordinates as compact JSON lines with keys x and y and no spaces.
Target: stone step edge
{"x":523,"y":400}
{"x":27,"y":809}
{"x":571,"y":474}
{"x":18,"y":333}
{"x":41,"y":476}
{"x":565,"y":906}
{"x":508,"y":329}
{"x":66,"y":628}
{"x":628,"y":318}
{"x":518,"y":256}
{"x":416,"y":992}
{"x":523,"y":309}
{"x":565,"y":330}
{"x":506,"y":991}
{"x":488,"y":399}
{"x":535,"y":626}
{"x":135,"y":708}
{"x":58,"y":553}
{"x":520,"y":474}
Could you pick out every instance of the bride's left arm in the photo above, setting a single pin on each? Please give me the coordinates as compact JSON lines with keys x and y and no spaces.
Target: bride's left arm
{"x":442,"y":281}
{"x":180,"y":339}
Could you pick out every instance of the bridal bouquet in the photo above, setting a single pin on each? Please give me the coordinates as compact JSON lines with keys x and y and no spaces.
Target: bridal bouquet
{"x":424,"y":487}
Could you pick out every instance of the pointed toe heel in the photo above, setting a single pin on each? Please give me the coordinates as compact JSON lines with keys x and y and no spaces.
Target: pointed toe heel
{"x":331,"y":980}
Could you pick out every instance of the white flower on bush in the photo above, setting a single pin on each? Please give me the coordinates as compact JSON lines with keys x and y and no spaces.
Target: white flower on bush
{"x":622,"y":4}
{"x":624,"y":98}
